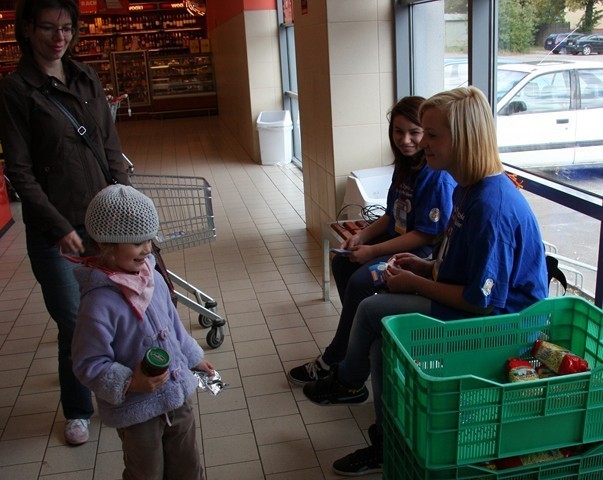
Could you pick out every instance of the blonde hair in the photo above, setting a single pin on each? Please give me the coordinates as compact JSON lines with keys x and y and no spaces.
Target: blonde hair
{"x":475,"y":149}
{"x":105,"y":252}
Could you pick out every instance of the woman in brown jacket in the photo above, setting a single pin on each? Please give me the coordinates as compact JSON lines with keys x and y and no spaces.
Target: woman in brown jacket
{"x":53,"y":170}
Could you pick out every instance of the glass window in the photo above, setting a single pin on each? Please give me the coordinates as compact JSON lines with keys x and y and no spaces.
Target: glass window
{"x":591,"y":88}
{"x":543,"y":94}
{"x":445,"y":46}
{"x":548,"y":109}
{"x":456,"y":73}
{"x":289,"y":73}
{"x":546,"y":125}
{"x":507,"y":79}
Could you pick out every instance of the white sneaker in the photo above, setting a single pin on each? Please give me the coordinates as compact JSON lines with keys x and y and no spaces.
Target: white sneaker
{"x":76,"y":431}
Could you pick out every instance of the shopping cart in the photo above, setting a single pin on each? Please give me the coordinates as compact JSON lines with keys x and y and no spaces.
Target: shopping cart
{"x":186,"y":219}
{"x":115,"y":103}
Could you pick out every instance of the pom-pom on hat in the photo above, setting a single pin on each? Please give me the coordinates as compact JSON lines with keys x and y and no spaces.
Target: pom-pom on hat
{"x":121,"y":214}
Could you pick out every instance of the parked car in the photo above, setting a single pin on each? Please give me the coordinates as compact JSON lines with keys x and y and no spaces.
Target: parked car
{"x":549,"y":114}
{"x":557,"y":42}
{"x":456,"y":71}
{"x":586,"y":45}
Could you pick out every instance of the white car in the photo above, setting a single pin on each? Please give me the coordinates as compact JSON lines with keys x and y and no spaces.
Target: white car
{"x":550,"y":114}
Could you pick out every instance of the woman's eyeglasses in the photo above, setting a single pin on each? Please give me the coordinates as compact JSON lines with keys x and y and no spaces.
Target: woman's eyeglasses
{"x":51,"y":30}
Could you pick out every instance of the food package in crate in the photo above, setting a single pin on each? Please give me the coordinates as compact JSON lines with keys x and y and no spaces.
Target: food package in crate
{"x":519,"y":370}
{"x":558,"y":359}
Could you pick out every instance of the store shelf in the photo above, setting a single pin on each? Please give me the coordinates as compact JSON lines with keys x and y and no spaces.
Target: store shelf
{"x":9,"y":50}
{"x":131,"y":77}
{"x":129,"y":49}
{"x":181,"y":75}
{"x":104,"y":71}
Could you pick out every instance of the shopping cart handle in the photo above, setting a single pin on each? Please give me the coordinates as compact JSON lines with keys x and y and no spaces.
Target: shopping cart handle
{"x":118,"y":99}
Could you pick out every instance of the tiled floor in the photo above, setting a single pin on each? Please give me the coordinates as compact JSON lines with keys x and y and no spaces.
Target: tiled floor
{"x":264,"y":270}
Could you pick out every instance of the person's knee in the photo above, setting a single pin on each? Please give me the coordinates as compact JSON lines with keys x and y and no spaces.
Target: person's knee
{"x":371,"y":305}
{"x":339,"y":263}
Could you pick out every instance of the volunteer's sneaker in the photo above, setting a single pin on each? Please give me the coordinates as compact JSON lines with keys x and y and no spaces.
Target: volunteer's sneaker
{"x":308,"y":372}
{"x":76,"y":431}
{"x":363,"y":461}
{"x":330,"y":391}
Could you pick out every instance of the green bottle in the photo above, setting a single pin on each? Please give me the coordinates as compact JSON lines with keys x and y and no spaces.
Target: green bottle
{"x":155,"y":361}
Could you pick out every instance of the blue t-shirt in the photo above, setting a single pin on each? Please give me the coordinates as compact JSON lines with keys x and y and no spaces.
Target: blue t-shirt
{"x":495,"y":249}
{"x":424,"y":206}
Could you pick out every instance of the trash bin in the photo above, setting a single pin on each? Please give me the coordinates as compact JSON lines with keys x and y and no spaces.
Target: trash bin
{"x":274,"y":129}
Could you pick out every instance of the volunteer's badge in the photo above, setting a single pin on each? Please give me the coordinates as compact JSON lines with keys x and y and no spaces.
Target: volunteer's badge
{"x":434,"y":215}
{"x":487,"y":287}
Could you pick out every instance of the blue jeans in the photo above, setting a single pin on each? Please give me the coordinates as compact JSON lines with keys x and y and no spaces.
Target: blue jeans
{"x":364,"y":356}
{"x":62,"y":298}
{"x":354,"y":284}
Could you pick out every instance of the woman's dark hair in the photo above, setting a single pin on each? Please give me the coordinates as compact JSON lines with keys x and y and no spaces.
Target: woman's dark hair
{"x":28,"y":10}
{"x":407,"y":167}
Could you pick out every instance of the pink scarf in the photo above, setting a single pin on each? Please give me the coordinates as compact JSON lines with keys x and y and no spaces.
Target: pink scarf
{"x":137,"y":288}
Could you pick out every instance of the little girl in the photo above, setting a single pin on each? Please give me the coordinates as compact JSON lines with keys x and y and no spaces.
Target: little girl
{"x":125,"y":309}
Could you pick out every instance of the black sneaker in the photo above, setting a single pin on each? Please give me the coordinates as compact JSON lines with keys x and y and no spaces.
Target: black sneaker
{"x":362,"y":462}
{"x":330,"y":391}
{"x":307,"y":373}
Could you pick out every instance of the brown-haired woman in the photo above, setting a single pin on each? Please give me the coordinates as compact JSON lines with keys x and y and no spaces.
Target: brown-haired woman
{"x":53,"y":170}
{"x":418,"y":207}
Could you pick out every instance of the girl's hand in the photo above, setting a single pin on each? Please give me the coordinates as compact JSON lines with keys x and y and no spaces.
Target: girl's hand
{"x":399,"y":280}
{"x":361,"y":254}
{"x":141,"y":383}
{"x":408,"y":261}
{"x":205,"y":366}
{"x":352,"y":242}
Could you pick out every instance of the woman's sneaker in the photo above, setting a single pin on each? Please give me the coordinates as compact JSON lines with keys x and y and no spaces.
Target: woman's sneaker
{"x":364,"y":461}
{"x":309,"y":372}
{"x":76,"y":431}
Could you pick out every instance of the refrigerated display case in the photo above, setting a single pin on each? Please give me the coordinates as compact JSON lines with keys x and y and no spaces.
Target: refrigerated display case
{"x":181,"y":75}
{"x":131,"y":76}
{"x":182,"y":82}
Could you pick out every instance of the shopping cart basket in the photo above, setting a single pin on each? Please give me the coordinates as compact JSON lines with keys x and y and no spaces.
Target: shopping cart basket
{"x":186,"y":220}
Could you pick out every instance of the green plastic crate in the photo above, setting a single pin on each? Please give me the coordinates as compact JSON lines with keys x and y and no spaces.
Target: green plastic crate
{"x":401,"y":464}
{"x":445,"y":383}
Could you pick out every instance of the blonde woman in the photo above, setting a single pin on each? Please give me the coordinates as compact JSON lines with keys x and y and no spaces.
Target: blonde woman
{"x":491,"y":260}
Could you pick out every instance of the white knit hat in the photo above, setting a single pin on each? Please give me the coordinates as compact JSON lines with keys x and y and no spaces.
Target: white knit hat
{"x":121,"y":214}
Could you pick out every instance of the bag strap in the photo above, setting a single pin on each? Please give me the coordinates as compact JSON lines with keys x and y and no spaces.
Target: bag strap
{"x":82,"y":132}
{"x":553,"y":271}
